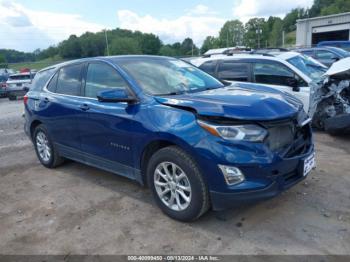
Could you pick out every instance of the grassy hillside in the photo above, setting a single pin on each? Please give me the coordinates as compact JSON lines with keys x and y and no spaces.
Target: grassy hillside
{"x":35,"y":65}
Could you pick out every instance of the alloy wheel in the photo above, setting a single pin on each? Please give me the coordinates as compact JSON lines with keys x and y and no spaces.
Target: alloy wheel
{"x":172,"y":186}
{"x":43,"y":146}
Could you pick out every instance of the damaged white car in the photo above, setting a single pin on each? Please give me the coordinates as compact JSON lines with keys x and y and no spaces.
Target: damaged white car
{"x":325,"y":94}
{"x":332,"y":99}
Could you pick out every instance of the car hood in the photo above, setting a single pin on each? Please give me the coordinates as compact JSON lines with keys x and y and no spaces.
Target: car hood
{"x":238,"y":101}
{"x":340,"y":67}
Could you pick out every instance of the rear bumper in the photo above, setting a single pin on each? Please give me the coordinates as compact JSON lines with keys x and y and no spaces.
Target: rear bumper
{"x":16,"y":92}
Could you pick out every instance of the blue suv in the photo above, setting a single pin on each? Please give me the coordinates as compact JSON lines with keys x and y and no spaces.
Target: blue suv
{"x":197,"y":143}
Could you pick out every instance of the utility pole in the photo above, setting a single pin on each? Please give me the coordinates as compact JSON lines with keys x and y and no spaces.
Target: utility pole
{"x":258,"y":32}
{"x":283,"y":36}
{"x":107,"y":46}
{"x":227,"y":38}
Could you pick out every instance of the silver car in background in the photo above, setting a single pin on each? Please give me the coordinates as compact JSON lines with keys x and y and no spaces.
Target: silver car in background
{"x":17,"y":85}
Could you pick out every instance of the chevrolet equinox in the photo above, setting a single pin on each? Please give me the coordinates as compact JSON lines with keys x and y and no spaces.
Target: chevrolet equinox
{"x":195,"y":142}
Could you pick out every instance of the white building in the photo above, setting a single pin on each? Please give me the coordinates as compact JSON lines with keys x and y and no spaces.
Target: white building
{"x":311,"y":31}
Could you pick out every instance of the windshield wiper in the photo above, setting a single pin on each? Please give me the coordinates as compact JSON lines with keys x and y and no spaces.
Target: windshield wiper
{"x":171,"y":93}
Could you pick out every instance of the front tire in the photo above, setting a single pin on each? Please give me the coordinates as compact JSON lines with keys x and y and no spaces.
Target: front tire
{"x":44,"y":148}
{"x":177,"y":184}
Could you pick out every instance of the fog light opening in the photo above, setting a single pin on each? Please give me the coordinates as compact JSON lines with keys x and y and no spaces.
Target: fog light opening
{"x":232,"y":175}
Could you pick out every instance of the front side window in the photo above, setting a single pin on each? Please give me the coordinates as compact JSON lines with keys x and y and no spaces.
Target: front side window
{"x":69,"y":80}
{"x":102,"y":77}
{"x":234,"y":71}
{"x":167,"y":76}
{"x":273,"y":74}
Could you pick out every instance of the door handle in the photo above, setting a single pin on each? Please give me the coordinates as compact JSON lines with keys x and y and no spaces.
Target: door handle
{"x":84,"y":107}
{"x":46,"y":100}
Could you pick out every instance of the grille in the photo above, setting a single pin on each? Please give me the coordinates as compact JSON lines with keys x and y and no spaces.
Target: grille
{"x":288,"y":138}
{"x":280,"y":136}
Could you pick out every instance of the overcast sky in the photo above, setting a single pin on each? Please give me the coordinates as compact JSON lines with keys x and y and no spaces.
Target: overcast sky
{"x":26,"y":24}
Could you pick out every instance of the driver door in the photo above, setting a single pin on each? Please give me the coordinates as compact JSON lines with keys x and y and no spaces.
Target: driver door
{"x":106,"y":131}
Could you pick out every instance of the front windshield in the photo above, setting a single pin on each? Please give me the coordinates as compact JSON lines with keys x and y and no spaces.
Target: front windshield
{"x":308,"y":66}
{"x":167,"y":76}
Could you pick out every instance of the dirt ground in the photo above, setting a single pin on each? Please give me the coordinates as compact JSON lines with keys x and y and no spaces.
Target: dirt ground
{"x":76,"y":209}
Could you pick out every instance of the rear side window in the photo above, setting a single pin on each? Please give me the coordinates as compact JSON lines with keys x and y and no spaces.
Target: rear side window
{"x":209,"y":67}
{"x":234,"y":71}
{"x":69,"y":80}
{"x":101,"y":77}
{"x":53,"y":83}
{"x":41,"y":79}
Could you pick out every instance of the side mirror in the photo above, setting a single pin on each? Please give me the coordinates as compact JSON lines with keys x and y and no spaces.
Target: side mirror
{"x":26,"y":88}
{"x":115,"y":95}
{"x":296,"y":88}
{"x":293,"y":82}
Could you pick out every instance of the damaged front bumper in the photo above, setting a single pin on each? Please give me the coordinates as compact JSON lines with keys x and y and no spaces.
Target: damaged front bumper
{"x":330,"y":99}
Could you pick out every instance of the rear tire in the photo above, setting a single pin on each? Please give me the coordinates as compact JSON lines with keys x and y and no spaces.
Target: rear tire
{"x":12,"y":98}
{"x":44,"y":148}
{"x":177,"y":184}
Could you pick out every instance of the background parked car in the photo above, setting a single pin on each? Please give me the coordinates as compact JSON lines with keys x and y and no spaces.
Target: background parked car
{"x":341,"y":44}
{"x":17,"y":85}
{"x":3,"y":92}
{"x":326,"y":55}
{"x":290,"y":72}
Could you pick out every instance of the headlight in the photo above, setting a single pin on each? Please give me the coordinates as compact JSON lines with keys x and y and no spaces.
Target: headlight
{"x":250,"y":132}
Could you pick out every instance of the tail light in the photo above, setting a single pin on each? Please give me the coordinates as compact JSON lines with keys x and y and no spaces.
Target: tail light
{"x":25,"y":99}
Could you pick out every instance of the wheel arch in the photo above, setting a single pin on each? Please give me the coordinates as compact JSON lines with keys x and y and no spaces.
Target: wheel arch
{"x":153,"y":146}
{"x":34,"y":125}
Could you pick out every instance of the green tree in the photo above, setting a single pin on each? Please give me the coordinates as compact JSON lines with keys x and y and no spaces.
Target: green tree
{"x":338,"y":6}
{"x":2,"y":59}
{"x":275,"y":36}
{"x":256,"y":33}
{"x":70,"y":48}
{"x":231,"y":34}
{"x":124,"y":46}
{"x":167,"y":50}
{"x":210,"y":42}
{"x":318,"y":5}
{"x":92,"y":44}
{"x":49,"y":52}
{"x":149,"y":44}
{"x":188,"y":47}
{"x":289,"y":21}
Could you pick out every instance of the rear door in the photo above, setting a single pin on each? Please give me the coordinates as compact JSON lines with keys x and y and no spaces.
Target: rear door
{"x":60,"y":108}
{"x":234,"y":71}
{"x":278,"y":76}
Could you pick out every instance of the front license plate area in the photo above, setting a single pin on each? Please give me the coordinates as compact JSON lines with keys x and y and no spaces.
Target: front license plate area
{"x":309,"y":164}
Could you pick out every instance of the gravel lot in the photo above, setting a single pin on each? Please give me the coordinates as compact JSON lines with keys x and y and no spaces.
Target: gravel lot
{"x":76,"y":209}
